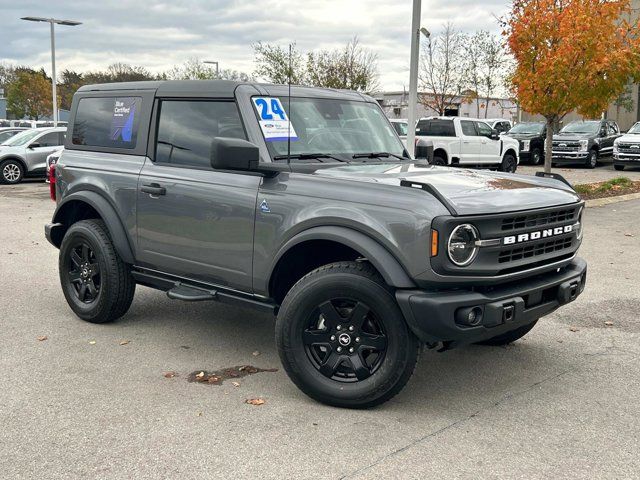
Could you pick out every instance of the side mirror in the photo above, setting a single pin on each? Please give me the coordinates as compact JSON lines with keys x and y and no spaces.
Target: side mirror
{"x":234,"y":154}
{"x":603,"y":132}
{"x":424,"y":149}
{"x":35,"y":145}
{"x":494,"y":134}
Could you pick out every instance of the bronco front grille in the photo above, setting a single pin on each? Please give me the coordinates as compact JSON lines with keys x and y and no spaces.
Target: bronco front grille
{"x":538,"y":219}
{"x":535,"y":250}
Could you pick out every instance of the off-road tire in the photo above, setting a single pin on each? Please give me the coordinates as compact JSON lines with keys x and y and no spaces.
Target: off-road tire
{"x":619,"y":167}
{"x":116,"y":284}
{"x":509,"y":164}
{"x":11,"y":172}
{"x":592,"y":159}
{"x":335,"y":282}
{"x":438,"y":160}
{"x":509,"y":337}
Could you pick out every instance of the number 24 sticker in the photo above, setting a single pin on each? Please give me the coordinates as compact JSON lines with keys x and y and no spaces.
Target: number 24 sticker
{"x":270,"y":108}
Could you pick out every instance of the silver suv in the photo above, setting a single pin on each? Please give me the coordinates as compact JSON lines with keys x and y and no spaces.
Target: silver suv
{"x":26,"y":153}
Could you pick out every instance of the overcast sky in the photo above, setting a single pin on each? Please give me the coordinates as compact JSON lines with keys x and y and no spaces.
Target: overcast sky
{"x":158,"y":34}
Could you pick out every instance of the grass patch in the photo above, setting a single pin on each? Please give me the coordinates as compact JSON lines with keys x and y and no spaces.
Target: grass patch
{"x":610,"y":188}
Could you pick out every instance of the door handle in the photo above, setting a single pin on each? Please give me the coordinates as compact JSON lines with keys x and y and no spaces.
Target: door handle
{"x":153,"y":189}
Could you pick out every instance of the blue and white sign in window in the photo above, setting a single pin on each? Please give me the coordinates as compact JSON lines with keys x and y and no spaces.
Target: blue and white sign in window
{"x":273,"y":119}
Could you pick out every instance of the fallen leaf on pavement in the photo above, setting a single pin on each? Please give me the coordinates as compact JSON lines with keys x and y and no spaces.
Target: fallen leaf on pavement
{"x":42,"y":338}
{"x":574,"y":329}
{"x":199,"y":413}
{"x":256,"y":353}
{"x":254,"y":401}
{"x":629,"y":235}
{"x":92,"y":342}
{"x":608,"y":323}
{"x":124,"y":342}
{"x":170,"y":374}
{"x":235,"y":384}
{"x":200,"y":375}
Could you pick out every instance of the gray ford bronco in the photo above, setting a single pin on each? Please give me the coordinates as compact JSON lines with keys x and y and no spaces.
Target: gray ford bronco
{"x":205,"y":190}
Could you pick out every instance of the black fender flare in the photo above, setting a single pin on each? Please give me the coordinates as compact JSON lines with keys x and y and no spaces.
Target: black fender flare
{"x":107,"y":212}
{"x":384,"y":262}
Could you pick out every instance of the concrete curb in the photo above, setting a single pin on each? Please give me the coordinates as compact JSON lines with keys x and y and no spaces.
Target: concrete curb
{"x":600,"y":202}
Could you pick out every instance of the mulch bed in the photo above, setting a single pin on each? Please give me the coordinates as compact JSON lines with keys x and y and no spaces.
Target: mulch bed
{"x":614,"y":191}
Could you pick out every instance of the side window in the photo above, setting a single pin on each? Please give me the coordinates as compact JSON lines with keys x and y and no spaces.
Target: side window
{"x":49,"y":140}
{"x":468,"y":128}
{"x":503,"y":127}
{"x":436,"y":128}
{"x":187,"y":127}
{"x":483,"y":129}
{"x":5,"y":136}
{"x":62,"y":137}
{"x":107,"y":122}
{"x":422,"y":128}
{"x":613,"y":129}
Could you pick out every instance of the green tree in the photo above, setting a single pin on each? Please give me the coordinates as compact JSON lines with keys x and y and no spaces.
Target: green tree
{"x":196,"y":69}
{"x":29,"y":95}
{"x":273,"y":64}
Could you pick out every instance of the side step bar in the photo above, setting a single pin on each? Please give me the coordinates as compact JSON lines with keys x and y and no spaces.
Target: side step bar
{"x":179,"y":289}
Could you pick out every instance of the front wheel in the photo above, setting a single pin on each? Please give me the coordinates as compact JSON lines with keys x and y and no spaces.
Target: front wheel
{"x":11,"y":172}
{"x":536,"y":157}
{"x":509,"y":164}
{"x":342,"y":338}
{"x":592,"y":159}
{"x":509,"y":337}
{"x":97,"y":284}
{"x":619,"y":167}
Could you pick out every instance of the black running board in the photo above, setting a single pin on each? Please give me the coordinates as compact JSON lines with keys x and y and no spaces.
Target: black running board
{"x":181,"y":289}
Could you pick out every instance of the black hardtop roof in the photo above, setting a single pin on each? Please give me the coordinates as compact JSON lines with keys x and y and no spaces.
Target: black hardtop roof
{"x":222,"y":89}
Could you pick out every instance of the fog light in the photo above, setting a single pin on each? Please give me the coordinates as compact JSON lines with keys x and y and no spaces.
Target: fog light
{"x":469,"y":316}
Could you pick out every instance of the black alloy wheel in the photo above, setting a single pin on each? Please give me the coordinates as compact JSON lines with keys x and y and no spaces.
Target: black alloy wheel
{"x":84,"y":272}
{"x":345,"y":341}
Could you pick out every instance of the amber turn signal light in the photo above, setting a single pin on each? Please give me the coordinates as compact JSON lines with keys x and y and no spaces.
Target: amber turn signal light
{"x":434,"y":243}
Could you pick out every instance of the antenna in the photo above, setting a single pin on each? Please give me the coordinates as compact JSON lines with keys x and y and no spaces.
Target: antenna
{"x":289,"y":109}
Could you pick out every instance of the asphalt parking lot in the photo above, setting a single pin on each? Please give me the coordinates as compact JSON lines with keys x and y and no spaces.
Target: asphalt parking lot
{"x":92,"y":401}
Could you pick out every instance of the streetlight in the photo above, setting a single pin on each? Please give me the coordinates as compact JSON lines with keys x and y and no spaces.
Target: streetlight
{"x":213,"y":63}
{"x":52,"y":22}
{"x":413,"y":76}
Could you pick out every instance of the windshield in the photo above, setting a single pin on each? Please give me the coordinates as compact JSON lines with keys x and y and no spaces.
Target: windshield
{"x":22,"y":138}
{"x":331,"y":127}
{"x":582,"y":127}
{"x":635,"y":129}
{"x":528,"y":128}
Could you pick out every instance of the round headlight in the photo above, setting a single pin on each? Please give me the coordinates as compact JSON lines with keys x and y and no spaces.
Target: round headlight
{"x":462,"y":244}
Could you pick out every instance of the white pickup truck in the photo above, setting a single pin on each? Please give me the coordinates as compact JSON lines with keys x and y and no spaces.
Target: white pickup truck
{"x":468,"y":142}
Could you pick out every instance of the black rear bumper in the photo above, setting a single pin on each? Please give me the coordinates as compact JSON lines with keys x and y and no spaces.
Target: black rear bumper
{"x":435,"y":316}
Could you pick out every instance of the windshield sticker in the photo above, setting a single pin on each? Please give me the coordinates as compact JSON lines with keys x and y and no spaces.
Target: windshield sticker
{"x":124,"y":115}
{"x":273,"y":119}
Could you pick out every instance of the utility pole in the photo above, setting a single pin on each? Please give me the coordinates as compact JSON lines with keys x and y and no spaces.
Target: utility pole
{"x":413,"y":76}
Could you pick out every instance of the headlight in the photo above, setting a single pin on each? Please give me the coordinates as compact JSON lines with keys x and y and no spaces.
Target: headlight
{"x":580,"y":225}
{"x":525,"y":145}
{"x":462,"y":246}
{"x":615,"y":147}
{"x":583,"y":145}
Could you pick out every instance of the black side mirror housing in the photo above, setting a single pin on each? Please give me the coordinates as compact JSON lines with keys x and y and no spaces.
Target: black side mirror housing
{"x":494,"y":134}
{"x":35,"y":145}
{"x":234,"y":154}
{"x":424,"y":149}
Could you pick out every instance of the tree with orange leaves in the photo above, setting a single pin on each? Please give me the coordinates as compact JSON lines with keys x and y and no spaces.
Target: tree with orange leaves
{"x":571,"y":55}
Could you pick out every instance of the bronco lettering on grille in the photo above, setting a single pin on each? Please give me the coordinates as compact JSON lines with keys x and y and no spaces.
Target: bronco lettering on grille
{"x":546,"y":233}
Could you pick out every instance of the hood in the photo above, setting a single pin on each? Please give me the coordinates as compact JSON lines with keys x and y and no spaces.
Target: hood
{"x":629,"y":138}
{"x":573,"y":137}
{"x":5,"y":149}
{"x":471,"y":192}
{"x":523,"y":136}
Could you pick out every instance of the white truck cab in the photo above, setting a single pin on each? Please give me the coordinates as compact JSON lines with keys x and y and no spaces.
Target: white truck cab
{"x":468,"y":142}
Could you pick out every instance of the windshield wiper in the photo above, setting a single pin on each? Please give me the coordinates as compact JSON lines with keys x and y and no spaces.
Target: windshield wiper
{"x":307,"y":156}
{"x":378,"y":155}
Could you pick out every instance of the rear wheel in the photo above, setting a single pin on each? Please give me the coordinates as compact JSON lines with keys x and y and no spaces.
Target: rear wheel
{"x":592,"y":159}
{"x":619,"y":167}
{"x":509,"y":337}
{"x":342,"y":338}
{"x":509,"y":164}
{"x":438,"y":160}
{"x":11,"y":172}
{"x":97,"y":284}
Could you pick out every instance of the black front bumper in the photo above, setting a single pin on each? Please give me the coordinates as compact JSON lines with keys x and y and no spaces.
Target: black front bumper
{"x":562,"y":158}
{"x":431,"y":315}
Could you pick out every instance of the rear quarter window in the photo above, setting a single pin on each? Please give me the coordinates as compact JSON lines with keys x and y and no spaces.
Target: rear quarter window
{"x":436,"y":128}
{"x":111,"y":122}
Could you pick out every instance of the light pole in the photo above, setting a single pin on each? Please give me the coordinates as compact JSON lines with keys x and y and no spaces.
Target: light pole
{"x":213,"y":63}
{"x":52,"y":22}
{"x":413,"y":76}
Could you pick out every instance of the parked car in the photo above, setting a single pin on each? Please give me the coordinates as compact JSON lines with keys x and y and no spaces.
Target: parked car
{"x":5,"y":123}
{"x":626,"y":149}
{"x":52,"y":160}
{"x":25,"y":154}
{"x":195,"y":188}
{"x":500,"y":124}
{"x":584,"y":141}
{"x":9,"y":132}
{"x":400,"y":126}
{"x":468,"y":142}
{"x":531,"y":137}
